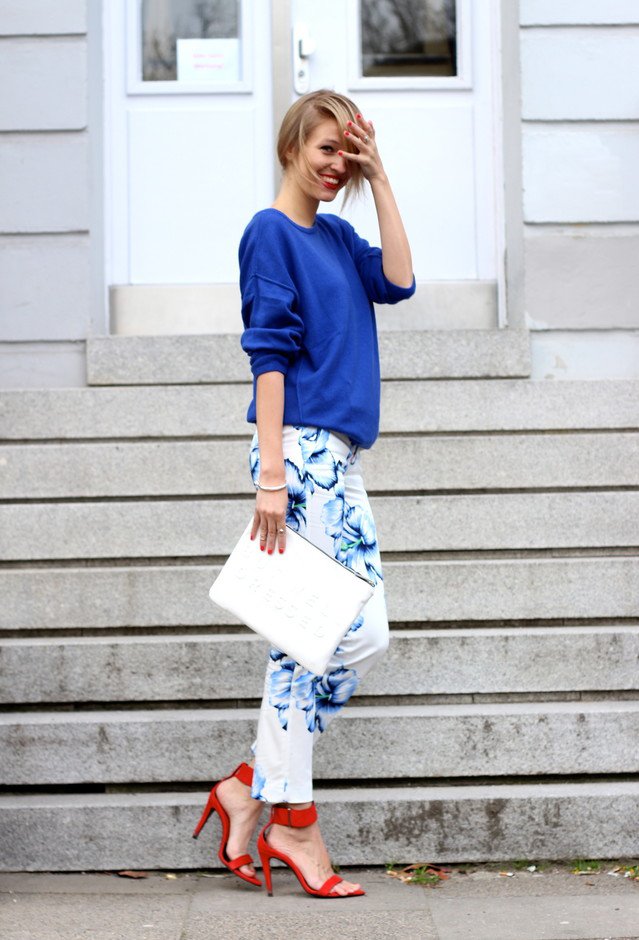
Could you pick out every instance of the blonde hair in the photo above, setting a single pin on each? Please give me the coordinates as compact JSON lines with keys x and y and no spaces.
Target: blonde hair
{"x":303,"y":117}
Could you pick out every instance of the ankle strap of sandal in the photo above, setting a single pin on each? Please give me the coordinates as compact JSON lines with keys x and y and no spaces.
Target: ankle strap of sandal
{"x":298,"y":818}
{"x":244,"y":774}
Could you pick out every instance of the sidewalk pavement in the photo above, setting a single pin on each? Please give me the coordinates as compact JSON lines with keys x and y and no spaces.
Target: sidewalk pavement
{"x":478,"y":905}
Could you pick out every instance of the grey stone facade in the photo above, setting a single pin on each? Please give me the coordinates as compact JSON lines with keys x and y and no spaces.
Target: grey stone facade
{"x":503,"y":722}
{"x":50,"y":242}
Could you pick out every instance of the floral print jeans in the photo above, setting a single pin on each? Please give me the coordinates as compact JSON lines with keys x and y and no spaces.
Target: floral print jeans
{"x":328,"y":504}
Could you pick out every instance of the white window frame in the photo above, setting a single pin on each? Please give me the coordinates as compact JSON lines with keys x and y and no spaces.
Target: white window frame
{"x":461,"y":81}
{"x":136,"y":86}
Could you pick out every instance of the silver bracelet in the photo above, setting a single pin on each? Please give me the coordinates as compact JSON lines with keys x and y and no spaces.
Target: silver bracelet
{"x":270,"y":489}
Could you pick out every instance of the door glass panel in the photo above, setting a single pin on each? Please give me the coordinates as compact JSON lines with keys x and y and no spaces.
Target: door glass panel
{"x":191,"y":41}
{"x":408,"y":37}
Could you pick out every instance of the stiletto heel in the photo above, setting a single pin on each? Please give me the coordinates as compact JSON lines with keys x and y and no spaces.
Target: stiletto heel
{"x":299,"y":819}
{"x":208,"y":809}
{"x":266,"y":866}
{"x":244,"y":774}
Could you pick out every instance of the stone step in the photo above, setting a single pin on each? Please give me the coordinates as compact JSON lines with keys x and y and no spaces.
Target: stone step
{"x":417,"y":591}
{"x":160,"y":360}
{"x":368,"y":742}
{"x":167,"y":468}
{"x":115,"y":831}
{"x":231,"y":666}
{"x":186,"y":528}
{"x":473,"y":405}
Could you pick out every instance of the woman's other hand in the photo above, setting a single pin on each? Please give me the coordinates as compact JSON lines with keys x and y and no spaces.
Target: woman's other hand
{"x":269,"y":522}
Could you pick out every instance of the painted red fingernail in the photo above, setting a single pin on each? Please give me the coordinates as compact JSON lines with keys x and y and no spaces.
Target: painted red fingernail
{"x":340,"y":153}
{"x":281,"y":551}
{"x":346,"y":134}
{"x":358,"y":116}
{"x":270,"y":551}
{"x":349,"y":123}
{"x":262,"y":548}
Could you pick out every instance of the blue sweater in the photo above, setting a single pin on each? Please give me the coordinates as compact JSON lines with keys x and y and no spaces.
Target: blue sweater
{"x":307,"y":307}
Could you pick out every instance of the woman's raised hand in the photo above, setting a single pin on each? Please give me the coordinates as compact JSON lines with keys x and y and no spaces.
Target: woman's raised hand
{"x":396,"y":257}
{"x":270,"y":520}
{"x":362,"y":134}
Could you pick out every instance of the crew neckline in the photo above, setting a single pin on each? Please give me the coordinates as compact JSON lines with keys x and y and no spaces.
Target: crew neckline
{"x":310,"y":230}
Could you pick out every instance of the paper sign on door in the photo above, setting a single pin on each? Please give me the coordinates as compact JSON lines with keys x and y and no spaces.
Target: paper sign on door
{"x":208,"y":60}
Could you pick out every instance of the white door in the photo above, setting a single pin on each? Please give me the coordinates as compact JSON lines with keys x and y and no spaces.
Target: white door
{"x":189,"y":131}
{"x":422,"y":70}
{"x":190,"y":88}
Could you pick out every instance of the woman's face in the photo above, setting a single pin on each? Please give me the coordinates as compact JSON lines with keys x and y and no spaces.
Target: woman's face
{"x":329,"y":170}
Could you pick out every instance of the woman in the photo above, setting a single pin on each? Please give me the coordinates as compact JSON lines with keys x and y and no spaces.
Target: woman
{"x":308,"y":283}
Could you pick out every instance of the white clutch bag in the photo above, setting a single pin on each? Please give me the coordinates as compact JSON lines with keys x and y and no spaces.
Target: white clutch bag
{"x":302,"y":601}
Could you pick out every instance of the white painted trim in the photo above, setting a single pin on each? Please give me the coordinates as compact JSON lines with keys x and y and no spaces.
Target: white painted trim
{"x":97,"y":106}
{"x":510,"y":146}
{"x":282,"y":53}
{"x":116,"y":163}
{"x":461,"y":81}
{"x":135,"y":85}
{"x":499,"y":213}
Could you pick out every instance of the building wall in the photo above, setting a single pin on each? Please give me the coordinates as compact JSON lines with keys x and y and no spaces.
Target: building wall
{"x":49,"y":279}
{"x":580,"y":193}
{"x":579,"y":73}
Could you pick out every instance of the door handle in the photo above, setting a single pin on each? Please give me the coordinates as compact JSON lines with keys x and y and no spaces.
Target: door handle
{"x":303,"y":49}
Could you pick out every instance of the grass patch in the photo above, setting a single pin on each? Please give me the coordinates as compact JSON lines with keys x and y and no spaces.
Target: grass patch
{"x":425,"y":874}
{"x":579,"y":865}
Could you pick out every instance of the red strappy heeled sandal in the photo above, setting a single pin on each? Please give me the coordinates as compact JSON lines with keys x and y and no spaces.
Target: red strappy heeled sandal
{"x":244,"y":774}
{"x":298,"y":818}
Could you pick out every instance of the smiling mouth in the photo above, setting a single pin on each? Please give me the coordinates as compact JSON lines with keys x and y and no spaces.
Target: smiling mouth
{"x":331,"y":182}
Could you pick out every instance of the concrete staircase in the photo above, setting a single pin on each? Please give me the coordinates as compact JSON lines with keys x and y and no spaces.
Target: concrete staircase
{"x":504,"y":722}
